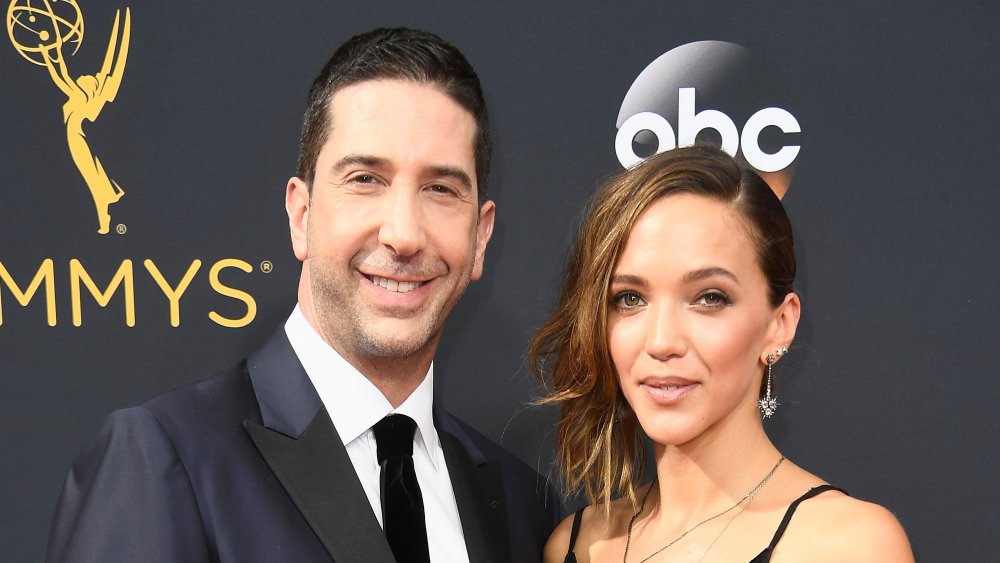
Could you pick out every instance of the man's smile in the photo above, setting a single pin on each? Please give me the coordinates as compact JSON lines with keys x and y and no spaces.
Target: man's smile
{"x":394,"y":285}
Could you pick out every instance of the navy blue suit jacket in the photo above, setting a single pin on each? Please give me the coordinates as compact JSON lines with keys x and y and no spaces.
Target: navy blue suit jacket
{"x":247,"y":466}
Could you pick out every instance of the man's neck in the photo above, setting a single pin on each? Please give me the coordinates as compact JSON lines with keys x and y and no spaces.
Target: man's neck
{"x":396,"y":378}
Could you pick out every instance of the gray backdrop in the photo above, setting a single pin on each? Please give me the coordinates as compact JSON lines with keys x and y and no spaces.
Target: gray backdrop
{"x":889,"y":391}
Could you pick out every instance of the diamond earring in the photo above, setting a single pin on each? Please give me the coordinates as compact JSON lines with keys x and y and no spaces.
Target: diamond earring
{"x":769,"y":404}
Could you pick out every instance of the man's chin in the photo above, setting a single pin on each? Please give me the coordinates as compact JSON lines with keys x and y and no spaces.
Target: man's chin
{"x":393,"y":348}
{"x":397,"y":340}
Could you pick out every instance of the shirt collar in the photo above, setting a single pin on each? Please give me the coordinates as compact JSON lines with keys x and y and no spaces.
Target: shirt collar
{"x":352,"y":401}
{"x":419,"y":407}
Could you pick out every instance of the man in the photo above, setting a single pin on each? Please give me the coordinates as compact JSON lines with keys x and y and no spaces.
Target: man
{"x":280,"y":458}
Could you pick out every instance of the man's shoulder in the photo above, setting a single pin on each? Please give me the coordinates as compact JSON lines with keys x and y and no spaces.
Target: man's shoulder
{"x":202,"y":415}
{"x":491,"y":451}
{"x":201,"y":424}
{"x":218,"y":395}
{"x":228,"y":391}
{"x":533,"y":508}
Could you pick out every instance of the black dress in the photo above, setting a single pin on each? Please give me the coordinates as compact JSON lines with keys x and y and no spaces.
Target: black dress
{"x":763,"y":557}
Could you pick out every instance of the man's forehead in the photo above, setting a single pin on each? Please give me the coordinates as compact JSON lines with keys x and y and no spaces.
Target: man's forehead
{"x":373,"y":91}
{"x":392,"y":125}
{"x":394,"y":110}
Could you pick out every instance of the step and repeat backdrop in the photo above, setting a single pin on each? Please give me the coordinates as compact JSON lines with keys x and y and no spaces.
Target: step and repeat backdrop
{"x":145,"y":147}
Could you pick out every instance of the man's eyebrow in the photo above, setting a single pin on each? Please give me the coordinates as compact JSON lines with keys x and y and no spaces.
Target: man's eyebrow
{"x":703,"y":273}
{"x":362,"y":159}
{"x":452,"y":172}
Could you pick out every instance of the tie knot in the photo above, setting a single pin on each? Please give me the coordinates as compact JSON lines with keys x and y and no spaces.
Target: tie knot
{"x":394,"y":436}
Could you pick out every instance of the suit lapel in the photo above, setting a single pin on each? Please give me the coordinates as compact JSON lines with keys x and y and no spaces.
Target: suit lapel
{"x":300,"y":444}
{"x":479,"y":493}
{"x":318,"y":476}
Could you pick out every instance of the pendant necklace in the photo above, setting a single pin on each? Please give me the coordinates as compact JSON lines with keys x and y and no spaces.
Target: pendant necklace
{"x":749,"y":496}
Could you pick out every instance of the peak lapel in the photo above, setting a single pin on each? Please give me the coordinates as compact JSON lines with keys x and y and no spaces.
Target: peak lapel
{"x":318,"y":476}
{"x":302,"y":448}
{"x":478,"y":487}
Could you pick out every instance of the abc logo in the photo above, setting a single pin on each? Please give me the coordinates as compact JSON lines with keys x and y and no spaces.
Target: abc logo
{"x":689,"y":124}
{"x":710,"y":90}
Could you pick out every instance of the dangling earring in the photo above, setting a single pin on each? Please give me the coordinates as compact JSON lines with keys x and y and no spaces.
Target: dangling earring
{"x":769,"y":404}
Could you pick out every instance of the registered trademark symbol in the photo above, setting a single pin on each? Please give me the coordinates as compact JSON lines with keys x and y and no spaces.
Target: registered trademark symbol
{"x":121,"y":229}
{"x":266,"y":266}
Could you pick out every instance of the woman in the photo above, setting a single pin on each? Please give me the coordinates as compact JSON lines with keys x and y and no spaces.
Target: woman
{"x":677,"y":302}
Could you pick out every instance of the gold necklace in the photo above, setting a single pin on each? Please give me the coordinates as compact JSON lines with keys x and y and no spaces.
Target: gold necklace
{"x":753,"y":492}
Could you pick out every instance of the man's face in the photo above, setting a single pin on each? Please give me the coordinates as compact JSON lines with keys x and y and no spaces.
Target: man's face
{"x":392,"y":232}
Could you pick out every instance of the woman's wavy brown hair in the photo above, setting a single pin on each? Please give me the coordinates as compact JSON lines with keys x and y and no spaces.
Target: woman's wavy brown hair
{"x":600,"y":449}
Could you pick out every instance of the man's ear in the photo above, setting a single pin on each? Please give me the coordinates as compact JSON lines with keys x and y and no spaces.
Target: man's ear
{"x":297,"y":207}
{"x":784,"y":322}
{"x":484,"y":231}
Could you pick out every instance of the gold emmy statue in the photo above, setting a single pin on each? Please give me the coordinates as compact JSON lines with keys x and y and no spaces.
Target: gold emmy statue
{"x":41,"y":31}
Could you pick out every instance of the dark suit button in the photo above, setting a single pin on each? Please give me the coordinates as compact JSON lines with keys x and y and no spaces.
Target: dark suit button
{"x":494,"y":504}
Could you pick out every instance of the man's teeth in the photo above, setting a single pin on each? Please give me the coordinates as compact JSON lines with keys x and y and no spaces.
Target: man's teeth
{"x":393,"y":285}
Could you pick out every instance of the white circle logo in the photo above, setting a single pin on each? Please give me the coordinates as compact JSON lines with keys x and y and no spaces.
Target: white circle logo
{"x":710,"y":91}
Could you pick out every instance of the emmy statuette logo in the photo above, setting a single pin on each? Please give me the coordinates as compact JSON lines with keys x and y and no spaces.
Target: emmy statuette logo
{"x":45,"y":32}
{"x":49,"y":33}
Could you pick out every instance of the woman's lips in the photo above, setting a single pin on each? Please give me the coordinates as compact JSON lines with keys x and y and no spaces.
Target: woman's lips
{"x":667,"y":391}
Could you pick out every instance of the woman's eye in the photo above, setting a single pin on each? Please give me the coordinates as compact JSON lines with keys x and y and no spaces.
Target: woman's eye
{"x":629,"y":300}
{"x":714,"y":299}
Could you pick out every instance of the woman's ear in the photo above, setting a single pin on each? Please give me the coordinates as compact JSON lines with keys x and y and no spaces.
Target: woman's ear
{"x":784,"y":321}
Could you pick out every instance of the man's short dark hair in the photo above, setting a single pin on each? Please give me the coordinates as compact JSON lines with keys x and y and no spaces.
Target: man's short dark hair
{"x":403,"y":54}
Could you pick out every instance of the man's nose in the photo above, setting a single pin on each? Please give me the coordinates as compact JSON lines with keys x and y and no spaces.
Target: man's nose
{"x":402,"y":221}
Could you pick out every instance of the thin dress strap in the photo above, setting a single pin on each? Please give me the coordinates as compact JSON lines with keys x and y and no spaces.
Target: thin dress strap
{"x":791,"y":510}
{"x":570,"y":556}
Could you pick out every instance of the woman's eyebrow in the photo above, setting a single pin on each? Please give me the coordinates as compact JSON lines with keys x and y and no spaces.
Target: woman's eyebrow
{"x":628,"y":279}
{"x":703,"y":273}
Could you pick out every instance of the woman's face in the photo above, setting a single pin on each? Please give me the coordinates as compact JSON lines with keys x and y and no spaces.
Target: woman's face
{"x":689,"y":323}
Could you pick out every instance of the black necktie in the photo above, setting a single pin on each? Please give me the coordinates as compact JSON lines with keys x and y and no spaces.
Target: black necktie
{"x":402,"y":504}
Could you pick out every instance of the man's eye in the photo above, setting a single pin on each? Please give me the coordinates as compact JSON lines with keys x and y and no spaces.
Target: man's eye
{"x":440,"y":189}
{"x":363,"y":178}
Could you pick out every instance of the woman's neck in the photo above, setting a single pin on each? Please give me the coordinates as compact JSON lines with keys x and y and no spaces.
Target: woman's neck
{"x":709,"y":474}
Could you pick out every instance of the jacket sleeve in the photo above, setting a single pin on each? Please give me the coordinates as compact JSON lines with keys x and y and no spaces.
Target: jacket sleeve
{"x":128,"y":498}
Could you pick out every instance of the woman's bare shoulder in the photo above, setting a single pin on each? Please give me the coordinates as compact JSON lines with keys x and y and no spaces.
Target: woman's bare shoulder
{"x":838,"y":527}
{"x":558,"y":543}
{"x":598,"y":524}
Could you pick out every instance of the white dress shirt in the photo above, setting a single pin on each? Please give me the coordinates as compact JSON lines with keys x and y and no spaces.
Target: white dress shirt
{"x":355,"y":405}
